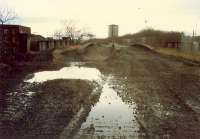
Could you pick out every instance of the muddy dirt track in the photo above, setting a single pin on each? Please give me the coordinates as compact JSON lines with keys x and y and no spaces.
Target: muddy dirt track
{"x":164,"y":89}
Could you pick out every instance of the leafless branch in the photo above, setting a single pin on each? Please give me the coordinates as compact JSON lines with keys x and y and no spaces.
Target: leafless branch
{"x":7,"y":15}
{"x":71,"y":30}
{"x":58,"y":34}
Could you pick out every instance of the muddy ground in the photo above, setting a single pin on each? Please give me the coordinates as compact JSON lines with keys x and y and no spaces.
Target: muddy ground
{"x":165,"y":89}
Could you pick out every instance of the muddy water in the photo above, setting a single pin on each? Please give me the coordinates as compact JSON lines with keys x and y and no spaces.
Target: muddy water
{"x":73,"y":72}
{"x":110,"y":118}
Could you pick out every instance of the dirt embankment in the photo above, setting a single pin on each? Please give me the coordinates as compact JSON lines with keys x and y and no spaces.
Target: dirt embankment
{"x":89,"y":53}
{"x":59,"y":56}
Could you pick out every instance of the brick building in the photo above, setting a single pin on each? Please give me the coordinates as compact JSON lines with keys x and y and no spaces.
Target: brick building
{"x":15,"y":37}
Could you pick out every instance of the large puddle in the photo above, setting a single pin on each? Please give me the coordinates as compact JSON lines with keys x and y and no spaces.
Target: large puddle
{"x":73,"y":72}
{"x":110,"y":118}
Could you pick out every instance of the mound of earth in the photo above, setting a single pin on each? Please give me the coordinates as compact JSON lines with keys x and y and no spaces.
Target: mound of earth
{"x":97,"y":53}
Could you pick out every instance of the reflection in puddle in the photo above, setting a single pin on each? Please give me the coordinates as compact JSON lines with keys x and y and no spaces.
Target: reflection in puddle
{"x":77,"y":64}
{"x":73,"y":72}
{"x":111,"y":117}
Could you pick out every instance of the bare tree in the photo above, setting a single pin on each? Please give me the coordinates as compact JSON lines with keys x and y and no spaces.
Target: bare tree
{"x":84,"y":34}
{"x":71,"y":30}
{"x":7,"y":15}
{"x":58,"y":34}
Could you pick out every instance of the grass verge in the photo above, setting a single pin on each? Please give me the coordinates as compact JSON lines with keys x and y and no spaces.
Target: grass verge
{"x":193,"y":56}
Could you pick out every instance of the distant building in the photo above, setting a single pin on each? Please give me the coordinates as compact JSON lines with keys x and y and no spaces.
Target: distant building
{"x":35,"y":40}
{"x":113,"y":30}
{"x":41,"y":44}
{"x":15,"y":37}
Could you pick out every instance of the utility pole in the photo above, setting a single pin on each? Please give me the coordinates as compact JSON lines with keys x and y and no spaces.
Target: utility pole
{"x":196,"y":30}
{"x":193,"y":33}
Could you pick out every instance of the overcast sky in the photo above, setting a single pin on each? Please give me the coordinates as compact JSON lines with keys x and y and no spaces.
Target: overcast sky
{"x":45,"y":16}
